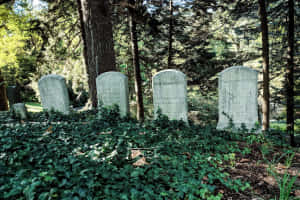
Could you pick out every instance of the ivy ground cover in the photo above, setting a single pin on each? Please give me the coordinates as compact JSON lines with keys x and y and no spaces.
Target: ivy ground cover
{"x":90,"y":156}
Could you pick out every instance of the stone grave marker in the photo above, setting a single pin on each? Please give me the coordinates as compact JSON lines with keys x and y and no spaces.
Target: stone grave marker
{"x":54,"y":93}
{"x":20,"y":111}
{"x":170,"y":94}
{"x":238,"y":97}
{"x":112,"y":88}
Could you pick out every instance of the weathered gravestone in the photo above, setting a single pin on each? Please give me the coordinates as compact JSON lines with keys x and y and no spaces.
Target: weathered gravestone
{"x":112,"y":88}
{"x":238,"y":97}
{"x":54,"y":93}
{"x":170,"y":94}
{"x":19,"y":110}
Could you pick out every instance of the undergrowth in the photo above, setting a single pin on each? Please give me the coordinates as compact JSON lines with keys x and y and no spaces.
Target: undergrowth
{"x":92,"y":156}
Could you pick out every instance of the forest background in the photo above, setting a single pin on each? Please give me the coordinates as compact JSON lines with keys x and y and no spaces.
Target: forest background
{"x":199,"y":38}
{"x":96,"y":154}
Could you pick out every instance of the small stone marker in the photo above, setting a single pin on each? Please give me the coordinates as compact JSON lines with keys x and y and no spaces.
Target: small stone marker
{"x":112,"y":88}
{"x":170,"y":94}
{"x":20,"y":110}
{"x":54,"y":93}
{"x":238,"y":97}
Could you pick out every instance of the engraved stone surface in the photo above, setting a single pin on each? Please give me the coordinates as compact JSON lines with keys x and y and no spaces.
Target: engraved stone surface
{"x":54,"y":93}
{"x":238,"y":97}
{"x":170,"y":94}
{"x":112,"y":88}
{"x":20,"y":110}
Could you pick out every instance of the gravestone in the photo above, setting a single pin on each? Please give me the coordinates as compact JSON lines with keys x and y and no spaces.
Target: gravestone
{"x":112,"y":88}
{"x":54,"y":93}
{"x":170,"y":94}
{"x":19,"y":110}
{"x":238,"y":97}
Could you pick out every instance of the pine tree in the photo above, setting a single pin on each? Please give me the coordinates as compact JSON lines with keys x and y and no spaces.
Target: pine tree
{"x":266,"y":65}
{"x":290,"y":75}
{"x":136,"y":60}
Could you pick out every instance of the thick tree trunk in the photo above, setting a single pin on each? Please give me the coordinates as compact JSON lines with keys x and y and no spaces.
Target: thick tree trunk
{"x":98,"y":43}
{"x":265,"y":55}
{"x":136,"y":63}
{"x":290,"y":75}
{"x":170,"y":51}
{"x":9,"y":2}
{"x":3,"y":97}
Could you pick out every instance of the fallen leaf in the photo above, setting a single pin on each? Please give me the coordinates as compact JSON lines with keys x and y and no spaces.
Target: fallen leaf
{"x":260,"y":183}
{"x":105,"y":133}
{"x":135,"y":153}
{"x":204,"y":180}
{"x":243,"y":160}
{"x":141,"y":162}
{"x":187,"y":154}
{"x":79,"y":153}
{"x":49,"y":130}
{"x":270,"y":180}
{"x":281,"y":166}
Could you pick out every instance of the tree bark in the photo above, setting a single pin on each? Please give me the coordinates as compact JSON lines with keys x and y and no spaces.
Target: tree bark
{"x":98,"y":43}
{"x":136,"y":62}
{"x":265,"y":55}
{"x":170,"y":51}
{"x":3,"y":97}
{"x":290,"y":75}
{"x":10,"y":2}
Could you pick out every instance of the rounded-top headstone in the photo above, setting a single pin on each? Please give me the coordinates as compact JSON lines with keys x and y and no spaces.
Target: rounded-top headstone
{"x":112,"y":88}
{"x":54,"y":93}
{"x":170,"y":94}
{"x":238,"y":97}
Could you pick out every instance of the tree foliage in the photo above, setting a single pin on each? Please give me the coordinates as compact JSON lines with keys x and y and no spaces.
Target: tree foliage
{"x":207,"y":37}
{"x":17,"y":60}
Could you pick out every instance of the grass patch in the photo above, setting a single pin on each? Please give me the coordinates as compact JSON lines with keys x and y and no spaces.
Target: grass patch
{"x":33,"y":107}
{"x":282,"y":126}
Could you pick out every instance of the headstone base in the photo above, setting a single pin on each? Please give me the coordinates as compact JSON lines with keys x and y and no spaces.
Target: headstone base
{"x":238,"y":126}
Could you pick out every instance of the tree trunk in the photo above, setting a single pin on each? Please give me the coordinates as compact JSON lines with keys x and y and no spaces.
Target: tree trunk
{"x":290,"y":75}
{"x":9,"y":2}
{"x":136,"y":62}
{"x":3,"y":97}
{"x":98,"y":43}
{"x":170,"y":52}
{"x":265,"y":55}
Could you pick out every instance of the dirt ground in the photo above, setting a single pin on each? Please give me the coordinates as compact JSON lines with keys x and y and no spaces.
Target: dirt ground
{"x":252,"y":169}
